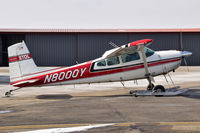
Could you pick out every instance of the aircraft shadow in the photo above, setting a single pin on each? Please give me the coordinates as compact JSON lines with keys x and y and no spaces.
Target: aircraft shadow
{"x":54,"y":96}
{"x":66,"y":96}
{"x":4,"y":79}
{"x":192,"y":93}
{"x":122,"y":95}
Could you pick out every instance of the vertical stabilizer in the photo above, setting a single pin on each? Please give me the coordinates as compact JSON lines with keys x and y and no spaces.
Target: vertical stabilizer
{"x":20,"y":62}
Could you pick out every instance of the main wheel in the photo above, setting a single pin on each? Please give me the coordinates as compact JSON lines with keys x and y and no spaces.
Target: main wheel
{"x":159,"y":88}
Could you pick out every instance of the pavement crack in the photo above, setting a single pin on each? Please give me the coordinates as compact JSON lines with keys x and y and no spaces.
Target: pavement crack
{"x":116,"y":112}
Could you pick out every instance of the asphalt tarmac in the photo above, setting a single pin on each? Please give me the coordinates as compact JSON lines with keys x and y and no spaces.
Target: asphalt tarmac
{"x":37,"y":108}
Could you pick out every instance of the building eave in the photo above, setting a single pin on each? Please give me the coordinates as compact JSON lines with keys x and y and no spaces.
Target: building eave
{"x":15,"y":30}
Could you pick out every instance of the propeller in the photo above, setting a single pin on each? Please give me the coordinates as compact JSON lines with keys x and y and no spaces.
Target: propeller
{"x":113,"y":44}
{"x":185,"y":61}
{"x":184,"y":55}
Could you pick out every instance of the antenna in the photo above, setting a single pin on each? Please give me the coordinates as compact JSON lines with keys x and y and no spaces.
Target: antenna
{"x":113,"y":44}
{"x":75,"y":61}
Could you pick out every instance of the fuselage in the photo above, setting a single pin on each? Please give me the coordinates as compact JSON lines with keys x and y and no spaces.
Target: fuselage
{"x":118,"y":68}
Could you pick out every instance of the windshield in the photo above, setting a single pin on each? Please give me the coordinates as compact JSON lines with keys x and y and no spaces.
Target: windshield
{"x":148,"y":52}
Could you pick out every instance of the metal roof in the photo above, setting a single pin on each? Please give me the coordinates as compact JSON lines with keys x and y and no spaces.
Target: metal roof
{"x":7,"y":30}
{"x":100,"y":16}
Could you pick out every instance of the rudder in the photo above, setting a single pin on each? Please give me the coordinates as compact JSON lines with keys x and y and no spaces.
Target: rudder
{"x":20,"y":62}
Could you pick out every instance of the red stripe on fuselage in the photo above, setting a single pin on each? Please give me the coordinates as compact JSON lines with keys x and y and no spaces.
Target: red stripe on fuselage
{"x":65,"y":74}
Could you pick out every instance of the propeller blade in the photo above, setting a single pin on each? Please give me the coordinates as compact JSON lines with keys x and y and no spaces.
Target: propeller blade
{"x":186,"y":64}
{"x":185,"y":54}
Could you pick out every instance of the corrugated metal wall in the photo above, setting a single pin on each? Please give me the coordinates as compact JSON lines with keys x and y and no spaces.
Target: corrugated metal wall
{"x":1,"y":49}
{"x":65,"y":49}
{"x":191,"y":42}
{"x":7,"y":40}
{"x":91,"y":46}
{"x":52,"y":49}
{"x":161,"y":41}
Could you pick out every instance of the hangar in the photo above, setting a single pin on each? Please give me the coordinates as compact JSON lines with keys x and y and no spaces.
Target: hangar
{"x":59,"y":33}
{"x":63,"y":47}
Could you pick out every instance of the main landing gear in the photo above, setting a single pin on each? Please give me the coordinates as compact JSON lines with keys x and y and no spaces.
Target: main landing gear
{"x":151,"y":90}
{"x":152,"y":87}
{"x":9,"y":93}
{"x":157,"y":90}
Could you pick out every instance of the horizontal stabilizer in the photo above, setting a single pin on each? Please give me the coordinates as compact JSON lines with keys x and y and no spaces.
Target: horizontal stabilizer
{"x":26,"y":82}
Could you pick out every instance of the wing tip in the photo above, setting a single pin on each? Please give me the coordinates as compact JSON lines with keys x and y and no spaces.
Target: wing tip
{"x":140,"y":42}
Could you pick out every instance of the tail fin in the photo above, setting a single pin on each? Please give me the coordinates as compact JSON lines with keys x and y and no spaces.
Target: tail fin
{"x":20,"y":61}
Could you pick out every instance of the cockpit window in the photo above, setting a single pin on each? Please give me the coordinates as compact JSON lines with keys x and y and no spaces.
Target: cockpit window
{"x":113,"y":61}
{"x":148,"y":52}
{"x":101,"y":63}
{"x":130,"y":57}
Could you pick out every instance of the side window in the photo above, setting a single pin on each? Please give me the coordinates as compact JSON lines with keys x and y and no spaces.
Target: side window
{"x":130,"y":57}
{"x":148,"y":52}
{"x":113,"y":61}
{"x":101,"y":63}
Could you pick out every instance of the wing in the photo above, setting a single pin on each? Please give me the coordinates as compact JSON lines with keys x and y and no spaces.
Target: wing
{"x":128,"y":48}
{"x":131,"y":48}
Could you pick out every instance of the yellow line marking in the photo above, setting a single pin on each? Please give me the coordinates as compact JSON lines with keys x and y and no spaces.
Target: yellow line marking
{"x":179,"y":123}
{"x":124,"y":124}
{"x":42,"y":126}
{"x":86,"y":124}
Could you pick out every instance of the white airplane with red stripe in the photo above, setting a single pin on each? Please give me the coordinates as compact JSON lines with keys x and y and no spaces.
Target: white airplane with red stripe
{"x":128,"y":62}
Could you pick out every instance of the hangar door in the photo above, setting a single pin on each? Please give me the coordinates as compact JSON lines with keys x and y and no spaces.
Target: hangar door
{"x":5,"y":41}
{"x":191,"y":42}
{"x":52,"y":49}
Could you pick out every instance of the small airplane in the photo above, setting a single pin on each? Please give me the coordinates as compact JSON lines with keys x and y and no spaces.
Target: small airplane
{"x":132,"y":61}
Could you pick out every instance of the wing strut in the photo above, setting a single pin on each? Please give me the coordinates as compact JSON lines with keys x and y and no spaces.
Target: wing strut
{"x":147,"y":73}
